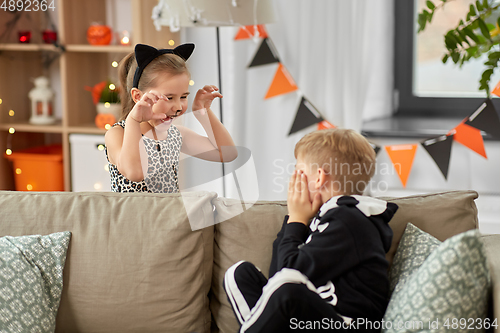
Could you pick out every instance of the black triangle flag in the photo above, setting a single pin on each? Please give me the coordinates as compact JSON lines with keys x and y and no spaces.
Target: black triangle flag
{"x":485,"y":118}
{"x":440,"y":150}
{"x":375,"y":147}
{"x":266,"y":54}
{"x":307,"y":115}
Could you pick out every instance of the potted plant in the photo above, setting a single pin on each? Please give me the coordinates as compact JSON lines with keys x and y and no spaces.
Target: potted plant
{"x":477,"y":34}
{"x":106,"y":98}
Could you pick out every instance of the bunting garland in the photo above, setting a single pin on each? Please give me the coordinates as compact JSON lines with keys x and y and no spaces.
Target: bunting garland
{"x":470,"y":137}
{"x":440,"y":150}
{"x":468,"y":133}
{"x":251,"y":31}
{"x":325,"y":125}
{"x":307,"y":115}
{"x":485,"y":118}
{"x":266,"y":54}
{"x":375,"y":147}
{"x":402,"y":159}
{"x":282,"y":83}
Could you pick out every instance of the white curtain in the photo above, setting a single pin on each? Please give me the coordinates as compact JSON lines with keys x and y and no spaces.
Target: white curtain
{"x":340,"y":55}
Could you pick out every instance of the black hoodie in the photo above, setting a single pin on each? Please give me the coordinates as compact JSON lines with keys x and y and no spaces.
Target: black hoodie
{"x":345,"y":245}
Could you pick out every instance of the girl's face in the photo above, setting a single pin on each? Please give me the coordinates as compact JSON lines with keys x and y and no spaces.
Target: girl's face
{"x":175,"y":89}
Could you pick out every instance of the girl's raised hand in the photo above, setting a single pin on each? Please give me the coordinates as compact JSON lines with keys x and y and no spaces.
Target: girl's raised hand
{"x":143,"y":109}
{"x":205,"y":96}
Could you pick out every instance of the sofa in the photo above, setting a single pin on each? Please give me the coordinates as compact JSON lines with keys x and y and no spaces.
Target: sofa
{"x":140,"y":262}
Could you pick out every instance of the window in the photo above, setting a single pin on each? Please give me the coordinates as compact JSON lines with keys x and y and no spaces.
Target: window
{"x":423,"y":84}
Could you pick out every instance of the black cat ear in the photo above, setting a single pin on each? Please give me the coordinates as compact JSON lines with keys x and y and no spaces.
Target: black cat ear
{"x":184,"y":50}
{"x":144,"y":54}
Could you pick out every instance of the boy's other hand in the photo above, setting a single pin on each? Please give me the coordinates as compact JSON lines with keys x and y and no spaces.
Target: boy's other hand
{"x":300,"y":207}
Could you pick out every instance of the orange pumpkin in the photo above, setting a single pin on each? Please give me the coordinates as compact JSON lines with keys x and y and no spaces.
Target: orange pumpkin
{"x":103,"y":119}
{"x":98,"y":34}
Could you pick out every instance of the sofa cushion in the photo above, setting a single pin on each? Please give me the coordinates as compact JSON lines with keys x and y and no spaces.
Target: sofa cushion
{"x":31,"y":281}
{"x":134,"y":264}
{"x":247,"y":236}
{"x":449,"y":292}
{"x":442,"y":215}
{"x":414,"y":247}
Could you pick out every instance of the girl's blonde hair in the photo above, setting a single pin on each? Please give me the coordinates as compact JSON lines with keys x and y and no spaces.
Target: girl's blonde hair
{"x":343,"y":154}
{"x":164,"y":64}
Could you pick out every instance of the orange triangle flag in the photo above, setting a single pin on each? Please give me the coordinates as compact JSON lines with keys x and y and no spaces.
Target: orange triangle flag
{"x":282,"y":83}
{"x":325,"y":125}
{"x":470,"y":137}
{"x":249,"y":31}
{"x":496,"y":90}
{"x":402,"y":159}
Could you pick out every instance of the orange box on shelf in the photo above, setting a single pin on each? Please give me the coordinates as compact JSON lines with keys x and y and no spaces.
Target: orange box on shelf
{"x":38,"y":168}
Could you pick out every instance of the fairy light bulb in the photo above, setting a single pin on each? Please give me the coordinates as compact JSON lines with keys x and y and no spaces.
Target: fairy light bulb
{"x":112,"y":86}
{"x":29,"y":187}
{"x":11,"y":113}
{"x":97,"y":186}
{"x":19,"y":171}
{"x":125,"y":38}
{"x":12,"y":130}
{"x":8,"y":151}
{"x":106,"y":167}
{"x":191,"y":82}
{"x":1,"y":101}
{"x":107,"y":126}
{"x":171,"y":42}
{"x":114,"y":64}
{"x":107,"y":105}
{"x":100,"y":147}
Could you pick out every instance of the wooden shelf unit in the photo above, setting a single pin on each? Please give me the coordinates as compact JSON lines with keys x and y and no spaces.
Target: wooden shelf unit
{"x":78,"y":65}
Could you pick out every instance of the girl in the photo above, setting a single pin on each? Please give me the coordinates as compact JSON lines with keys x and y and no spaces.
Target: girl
{"x":143,"y":147}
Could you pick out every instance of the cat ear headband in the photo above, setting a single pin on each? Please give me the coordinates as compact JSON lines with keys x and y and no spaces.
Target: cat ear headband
{"x":144,"y":54}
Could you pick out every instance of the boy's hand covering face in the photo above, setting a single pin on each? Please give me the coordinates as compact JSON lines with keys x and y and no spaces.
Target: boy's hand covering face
{"x":300,"y":207}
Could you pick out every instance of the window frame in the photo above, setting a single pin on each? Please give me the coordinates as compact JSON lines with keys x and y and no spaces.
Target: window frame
{"x":406,"y":103}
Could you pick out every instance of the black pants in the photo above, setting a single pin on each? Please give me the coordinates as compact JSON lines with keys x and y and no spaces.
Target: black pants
{"x":285,"y":303}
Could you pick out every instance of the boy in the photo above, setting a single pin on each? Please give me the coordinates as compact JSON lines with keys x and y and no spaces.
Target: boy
{"x":329,"y":273}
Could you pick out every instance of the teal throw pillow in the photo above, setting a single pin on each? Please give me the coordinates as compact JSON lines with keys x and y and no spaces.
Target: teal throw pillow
{"x":31,"y":281}
{"x":414,"y":247}
{"x":449,"y":292}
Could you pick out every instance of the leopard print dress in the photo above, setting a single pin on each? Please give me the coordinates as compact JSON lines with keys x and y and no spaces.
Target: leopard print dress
{"x":163,"y":166}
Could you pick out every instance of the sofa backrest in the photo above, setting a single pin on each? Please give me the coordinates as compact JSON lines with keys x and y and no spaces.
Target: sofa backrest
{"x":133,"y":264}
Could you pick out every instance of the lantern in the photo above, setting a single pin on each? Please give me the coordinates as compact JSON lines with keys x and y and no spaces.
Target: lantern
{"x":42,"y":112}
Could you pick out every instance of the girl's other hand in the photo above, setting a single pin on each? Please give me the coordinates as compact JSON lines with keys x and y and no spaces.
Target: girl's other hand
{"x":205,"y":96}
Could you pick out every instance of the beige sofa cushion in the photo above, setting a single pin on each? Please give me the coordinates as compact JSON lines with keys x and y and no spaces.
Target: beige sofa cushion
{"x":442,"y":215}
{"x":249,"y":236}
{"x":133,"y":264}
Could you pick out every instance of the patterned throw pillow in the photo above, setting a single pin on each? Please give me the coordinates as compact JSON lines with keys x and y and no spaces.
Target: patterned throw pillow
{"x":449,"y":292}
{"x":414,"y":247}
{"x":31,"y":281}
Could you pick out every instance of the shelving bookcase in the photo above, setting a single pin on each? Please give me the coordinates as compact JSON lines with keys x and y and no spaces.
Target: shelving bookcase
{"x":79,"y":65}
